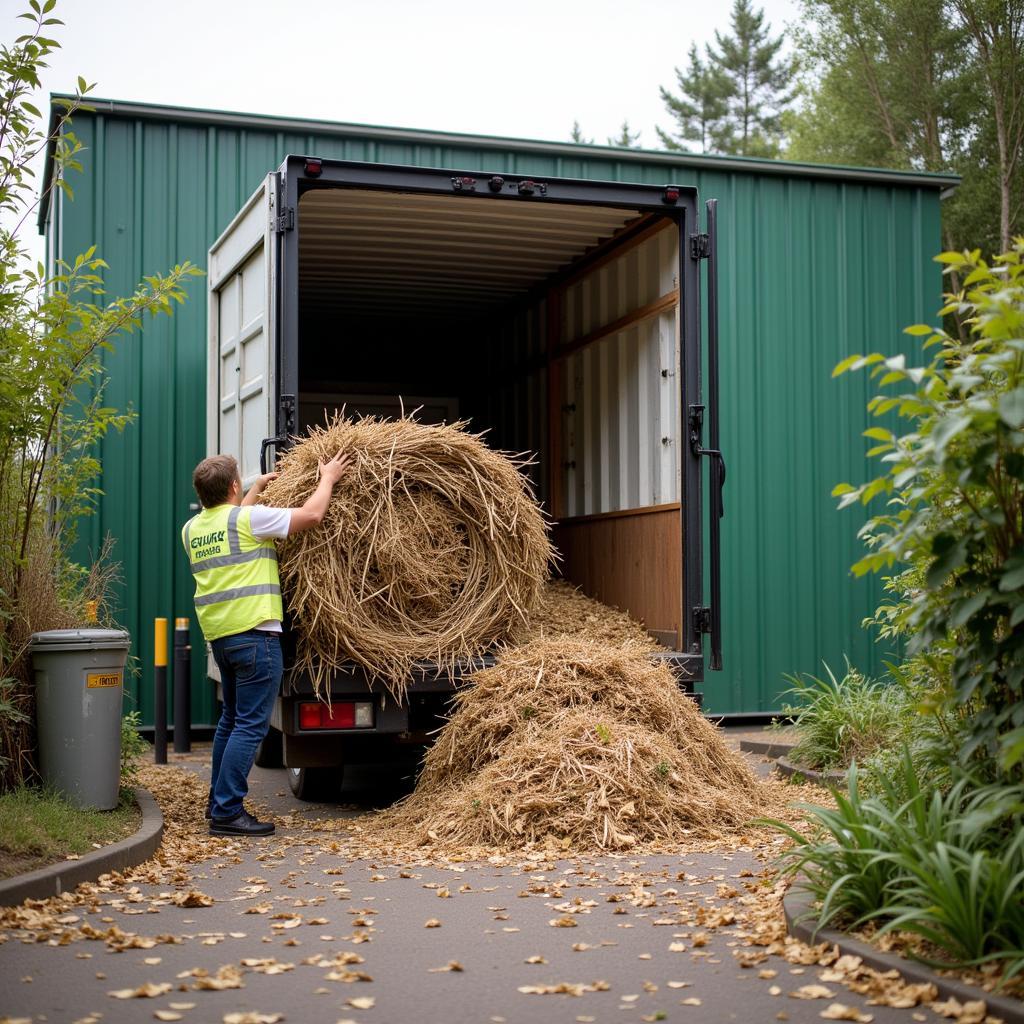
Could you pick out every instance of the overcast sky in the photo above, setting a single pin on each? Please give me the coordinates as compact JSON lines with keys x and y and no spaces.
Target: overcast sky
{"x":522,"y":68}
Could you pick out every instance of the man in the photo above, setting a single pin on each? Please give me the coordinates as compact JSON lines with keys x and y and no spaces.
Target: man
{"x":230,"y":546}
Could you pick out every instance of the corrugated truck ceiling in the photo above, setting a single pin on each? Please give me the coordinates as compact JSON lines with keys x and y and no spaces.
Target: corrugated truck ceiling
{"x":387,"y":253}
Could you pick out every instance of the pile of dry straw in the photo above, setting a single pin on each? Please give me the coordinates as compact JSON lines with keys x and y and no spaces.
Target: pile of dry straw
{"x":576,"y":736}
{"x":432,"y":549}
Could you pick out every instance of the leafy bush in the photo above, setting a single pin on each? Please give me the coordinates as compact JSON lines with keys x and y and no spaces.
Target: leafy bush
{"x":955,"y":484}
{"x":946,"y":866}
{"x":55,"y":329}
{"x":133,"y":747}
{"x":841,"y":720}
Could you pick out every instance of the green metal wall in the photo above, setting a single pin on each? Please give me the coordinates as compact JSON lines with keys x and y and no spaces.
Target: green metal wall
{"x":811,"y":270}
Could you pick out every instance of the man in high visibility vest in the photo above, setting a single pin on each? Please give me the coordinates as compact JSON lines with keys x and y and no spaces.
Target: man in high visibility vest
{"x":230,"y":547}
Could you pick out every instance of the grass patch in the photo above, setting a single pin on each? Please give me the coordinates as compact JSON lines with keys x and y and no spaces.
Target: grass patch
{"x":38,"y":827}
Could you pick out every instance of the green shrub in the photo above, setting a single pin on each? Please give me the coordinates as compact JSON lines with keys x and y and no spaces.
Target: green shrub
{"x":954,"y":480}
{"x":842,"y":720}
{"x":133,"y":747}
{"x":946,"y":866}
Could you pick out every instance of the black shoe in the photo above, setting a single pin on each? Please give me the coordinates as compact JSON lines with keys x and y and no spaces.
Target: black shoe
{"x":209,"y":805}
{"x":243,"y":825}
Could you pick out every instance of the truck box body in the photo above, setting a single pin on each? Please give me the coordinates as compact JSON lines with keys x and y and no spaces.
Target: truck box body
{"x":560,"y":316}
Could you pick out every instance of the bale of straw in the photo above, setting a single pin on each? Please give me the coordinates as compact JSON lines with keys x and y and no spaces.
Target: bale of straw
{"x":571,"y":738}
{"x":432,"y":548}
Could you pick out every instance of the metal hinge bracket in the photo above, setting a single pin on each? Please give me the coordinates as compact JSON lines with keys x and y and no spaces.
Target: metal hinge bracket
{"x":700,"y":247}
{"x":701,"y":620}
{"x":285,"y":221}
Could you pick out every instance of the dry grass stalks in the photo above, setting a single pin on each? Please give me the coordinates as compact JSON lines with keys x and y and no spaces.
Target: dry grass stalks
{"x":433,"y":548}
{"x":574,"y":739}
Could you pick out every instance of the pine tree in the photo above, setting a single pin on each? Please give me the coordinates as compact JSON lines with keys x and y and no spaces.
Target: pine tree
{"x":700,"y":108}
{"x":577,"y":135}
{"x":762,"y":82}
{"x":626,"y":139}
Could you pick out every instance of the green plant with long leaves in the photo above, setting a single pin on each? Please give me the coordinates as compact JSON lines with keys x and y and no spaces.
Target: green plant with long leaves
{"x":841,"y":719}
{"x":953,"y":478}
{"x":946,"y":866}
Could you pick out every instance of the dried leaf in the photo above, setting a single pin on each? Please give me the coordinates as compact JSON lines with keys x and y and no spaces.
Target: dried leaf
{"x":361,"y":1002}
{"x":812,"y":992}
{"x":563,"y":922}
{"x":537,"y":959}
{"x":452,"y":965}
{"x":149,"y":990}
{"x":192,"y":898}
{"x":433,"y":923}
{"x":840,"y":1011}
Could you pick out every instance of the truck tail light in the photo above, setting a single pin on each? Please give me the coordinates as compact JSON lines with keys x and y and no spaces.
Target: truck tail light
{"x":343,"y":715}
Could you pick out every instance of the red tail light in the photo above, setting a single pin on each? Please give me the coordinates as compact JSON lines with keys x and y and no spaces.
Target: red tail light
{"x":343,"y":715}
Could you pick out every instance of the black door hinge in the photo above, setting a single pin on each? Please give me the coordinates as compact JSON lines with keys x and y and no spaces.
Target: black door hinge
{"x":701,"y":620}
{"x":288,"y":413}
{"x":285,"y":221}
{"x":700,"y":247}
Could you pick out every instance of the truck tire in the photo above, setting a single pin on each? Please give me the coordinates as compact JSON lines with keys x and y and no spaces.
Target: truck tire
{"x":268,"y":753}
{"x":314,"y":784}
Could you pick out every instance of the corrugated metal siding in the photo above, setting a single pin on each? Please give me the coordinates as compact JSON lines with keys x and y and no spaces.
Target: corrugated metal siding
{"x":811,"y":270}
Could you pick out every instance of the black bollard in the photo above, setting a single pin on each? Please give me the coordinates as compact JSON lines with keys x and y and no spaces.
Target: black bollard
{"x":160,"y":691}
{"x":182,"y":687}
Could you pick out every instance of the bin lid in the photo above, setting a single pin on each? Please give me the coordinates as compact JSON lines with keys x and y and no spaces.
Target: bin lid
{"x":80,"y":640}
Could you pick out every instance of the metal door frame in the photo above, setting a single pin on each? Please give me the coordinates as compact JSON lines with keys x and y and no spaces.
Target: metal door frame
{"x":300,"y":174}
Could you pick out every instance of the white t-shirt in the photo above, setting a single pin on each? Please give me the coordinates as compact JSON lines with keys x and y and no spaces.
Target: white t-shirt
{"x":266,"y":524}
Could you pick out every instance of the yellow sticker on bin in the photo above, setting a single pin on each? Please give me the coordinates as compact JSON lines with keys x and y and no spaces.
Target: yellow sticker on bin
{"x":94,"y":679}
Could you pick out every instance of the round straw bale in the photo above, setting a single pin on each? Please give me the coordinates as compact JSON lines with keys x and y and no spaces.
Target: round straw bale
{"x":432,"y":548}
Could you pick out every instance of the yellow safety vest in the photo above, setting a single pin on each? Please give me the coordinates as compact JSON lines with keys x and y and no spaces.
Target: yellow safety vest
{"x":237,"y":586}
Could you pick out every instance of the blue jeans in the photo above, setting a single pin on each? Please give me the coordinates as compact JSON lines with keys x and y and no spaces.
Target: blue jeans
{"x":250,"y":675}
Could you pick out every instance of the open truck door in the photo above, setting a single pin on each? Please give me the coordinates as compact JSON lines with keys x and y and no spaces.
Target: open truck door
{"x":562,"y":315}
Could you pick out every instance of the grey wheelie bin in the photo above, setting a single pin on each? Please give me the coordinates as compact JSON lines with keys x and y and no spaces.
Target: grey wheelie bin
{"x":79,"y":677}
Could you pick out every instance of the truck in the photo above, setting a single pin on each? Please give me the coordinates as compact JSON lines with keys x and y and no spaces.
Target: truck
{"x":562,"y":316}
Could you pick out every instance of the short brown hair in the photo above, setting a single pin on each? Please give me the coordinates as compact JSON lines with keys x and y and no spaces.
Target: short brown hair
{"x":213,"y":478}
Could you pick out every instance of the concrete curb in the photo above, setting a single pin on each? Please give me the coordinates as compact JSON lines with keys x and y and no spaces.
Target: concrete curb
{"x":768,"y":748}
{"x":66,"y":874}
{"x":827,"y":779}
{"x":800,"y":917}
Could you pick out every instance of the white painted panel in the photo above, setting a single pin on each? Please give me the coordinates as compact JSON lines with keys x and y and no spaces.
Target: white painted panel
{"x":241,"y":350}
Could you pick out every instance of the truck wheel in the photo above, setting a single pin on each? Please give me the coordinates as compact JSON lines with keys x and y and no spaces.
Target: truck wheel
{"x":269,"y":752}
{"x":314,"y":784}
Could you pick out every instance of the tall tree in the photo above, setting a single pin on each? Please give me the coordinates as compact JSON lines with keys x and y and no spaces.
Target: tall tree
{"x":762,"y":82}
{"x":921,"y":84}
{"x":576,"y":135}
{"x":701,"y":107}
{"x":626,"y":139}
{"x":995,"y":29}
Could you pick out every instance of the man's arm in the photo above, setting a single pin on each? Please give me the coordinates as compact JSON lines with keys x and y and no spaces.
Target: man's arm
{"x":312,"y":512}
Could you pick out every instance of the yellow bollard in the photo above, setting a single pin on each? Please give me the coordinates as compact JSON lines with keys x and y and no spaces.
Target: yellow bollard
{"x":160,"y":691}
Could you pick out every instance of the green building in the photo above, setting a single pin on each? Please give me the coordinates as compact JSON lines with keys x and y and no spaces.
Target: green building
{"x":815,"y":262}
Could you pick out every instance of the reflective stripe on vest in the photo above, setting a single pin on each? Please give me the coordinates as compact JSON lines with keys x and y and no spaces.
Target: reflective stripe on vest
{"x":237,"y":584}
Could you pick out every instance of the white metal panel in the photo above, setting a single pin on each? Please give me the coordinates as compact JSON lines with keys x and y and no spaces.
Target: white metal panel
{"x":622,"y":425}
{"x":242,"y":346}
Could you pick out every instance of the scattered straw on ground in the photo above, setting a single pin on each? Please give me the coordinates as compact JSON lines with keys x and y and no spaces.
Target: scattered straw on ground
{"x":433,"y":548}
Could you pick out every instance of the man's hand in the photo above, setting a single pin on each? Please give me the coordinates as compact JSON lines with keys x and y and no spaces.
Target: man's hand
{"x":312,"y":512}
{"x":257,"y":488}
{"x":336,"y":468}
